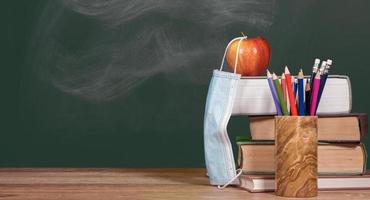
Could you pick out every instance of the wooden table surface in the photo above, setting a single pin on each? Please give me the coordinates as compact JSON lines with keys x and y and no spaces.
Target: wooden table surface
{"x":113,"y":184}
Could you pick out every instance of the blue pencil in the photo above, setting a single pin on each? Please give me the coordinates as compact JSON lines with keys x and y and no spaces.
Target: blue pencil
{"x":323,"y":78}
{"x":308,"y":97}
{"x":301,"y":94}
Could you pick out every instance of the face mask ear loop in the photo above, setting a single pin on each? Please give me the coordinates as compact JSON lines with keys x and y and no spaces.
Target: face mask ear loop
{"x":237,"y":52}
{"x":238,"y":173}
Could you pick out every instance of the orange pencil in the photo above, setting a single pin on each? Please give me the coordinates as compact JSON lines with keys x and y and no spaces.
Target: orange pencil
{"x":288,"y":79}
{"x":283,"y":86}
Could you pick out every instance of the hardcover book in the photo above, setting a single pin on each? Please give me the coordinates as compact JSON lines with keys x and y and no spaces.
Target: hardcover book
{"x":331,"y":128}
{"x":333,"y":159}
{"x":253,"y":96}
{"x":266,"y":183}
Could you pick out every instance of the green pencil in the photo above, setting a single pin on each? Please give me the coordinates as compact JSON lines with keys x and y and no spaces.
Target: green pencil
{"x":280,"y":94}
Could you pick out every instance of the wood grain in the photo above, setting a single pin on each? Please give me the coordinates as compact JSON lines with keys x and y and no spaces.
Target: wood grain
{"x":296,"y":156}
{"x":114,"y":184}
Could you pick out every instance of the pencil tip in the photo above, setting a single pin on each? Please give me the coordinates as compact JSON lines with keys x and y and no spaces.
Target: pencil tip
{"x":268,"y":73}
{"x":287,"y":70}
{"x":300,"y":73}
{"x":274,"y":75}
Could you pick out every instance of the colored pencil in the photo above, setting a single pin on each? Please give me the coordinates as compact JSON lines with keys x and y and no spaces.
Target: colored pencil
{"x":315,"y":91}
{"x":320,"y":70}
{"x":314,"y":71}
{"x":315,"y":68}
{"x":323,"y":78}
{"x":283,"y":86}
{"x":280,"y":95}
{"x":273,"y":93}
{"x":295,"y":84}
{"x":300,"y":93}
{"x":307,"y":97}
{"x":293,"y":108}
{"x":328,"y":64}
{"x":296,"y":93}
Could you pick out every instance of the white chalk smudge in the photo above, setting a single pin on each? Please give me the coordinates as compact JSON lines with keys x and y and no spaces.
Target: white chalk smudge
{"x":123,"y":43}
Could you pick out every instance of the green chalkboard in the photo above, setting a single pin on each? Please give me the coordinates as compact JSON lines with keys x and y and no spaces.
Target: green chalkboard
{"x":123,"y":83}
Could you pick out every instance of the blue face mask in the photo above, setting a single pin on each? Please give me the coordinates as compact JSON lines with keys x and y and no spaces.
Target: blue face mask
{"x":218,"y":151}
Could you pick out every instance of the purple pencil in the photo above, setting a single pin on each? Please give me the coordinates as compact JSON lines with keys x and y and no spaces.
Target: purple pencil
{"x":315,"y":92}
{"x":273,"y":93}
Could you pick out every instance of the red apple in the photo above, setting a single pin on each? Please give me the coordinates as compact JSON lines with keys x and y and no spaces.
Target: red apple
{"x":254,"y":56}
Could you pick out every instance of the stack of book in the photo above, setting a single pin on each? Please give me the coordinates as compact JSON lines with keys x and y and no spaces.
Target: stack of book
{"x":341,"y":155}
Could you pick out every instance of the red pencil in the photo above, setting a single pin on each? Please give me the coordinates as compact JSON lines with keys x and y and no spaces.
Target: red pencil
{"x":288,"y":80}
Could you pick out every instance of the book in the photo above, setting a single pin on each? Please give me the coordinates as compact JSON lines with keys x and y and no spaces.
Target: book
{"x":333,"y":159}
{"x":334,"y":128}
{"x":253,"y":96}
{"x":266,"y":183}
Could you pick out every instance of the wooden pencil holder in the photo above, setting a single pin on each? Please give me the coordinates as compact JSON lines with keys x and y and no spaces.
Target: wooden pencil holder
{"x":296,"y":156}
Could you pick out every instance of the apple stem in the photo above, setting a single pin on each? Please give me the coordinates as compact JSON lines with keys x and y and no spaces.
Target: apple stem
{"x":242,"y":34}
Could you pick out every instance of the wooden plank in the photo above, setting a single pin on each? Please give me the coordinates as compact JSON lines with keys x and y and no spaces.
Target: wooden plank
{"x":128,"y":184}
